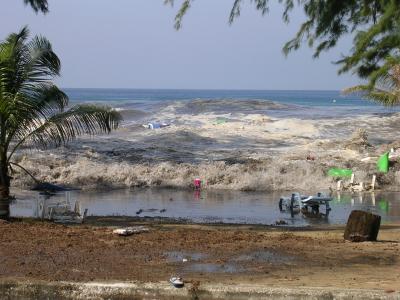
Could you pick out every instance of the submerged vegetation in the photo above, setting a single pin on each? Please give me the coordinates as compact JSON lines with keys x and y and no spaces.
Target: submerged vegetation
{"x":33,"y":109}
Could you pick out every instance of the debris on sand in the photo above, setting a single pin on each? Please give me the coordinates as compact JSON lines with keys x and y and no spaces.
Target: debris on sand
{"x":358,"y":141}
{"x":130,"y":230}
{"x":354,"y":186}
{"x":281,"y":222}
{"x":176,"y":281}
{"x":310,"y":157}
{"x":151,"y":210}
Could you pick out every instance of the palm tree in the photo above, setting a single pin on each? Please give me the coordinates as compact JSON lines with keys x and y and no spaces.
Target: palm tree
{"x":33,"y":111}
{"x":384,"y":87}
{"x":38,"y":5}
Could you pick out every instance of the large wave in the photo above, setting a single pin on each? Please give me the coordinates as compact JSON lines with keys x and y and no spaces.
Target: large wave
{"x":227,"y":151}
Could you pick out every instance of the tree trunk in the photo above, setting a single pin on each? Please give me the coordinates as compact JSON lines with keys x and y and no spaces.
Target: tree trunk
{"x":362,"y":226}
{"x":4,"y":192}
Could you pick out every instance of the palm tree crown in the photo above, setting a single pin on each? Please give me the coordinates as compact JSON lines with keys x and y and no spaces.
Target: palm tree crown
{"x":33,"y":111}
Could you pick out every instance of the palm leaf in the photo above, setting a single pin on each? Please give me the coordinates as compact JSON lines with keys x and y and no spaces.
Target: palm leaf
{"x":384,"y":87}
{"x":66,"y":126}
{"x":38,"y":5}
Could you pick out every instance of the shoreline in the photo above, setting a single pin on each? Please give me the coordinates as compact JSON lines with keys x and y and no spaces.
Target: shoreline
{"x":122,"y":290}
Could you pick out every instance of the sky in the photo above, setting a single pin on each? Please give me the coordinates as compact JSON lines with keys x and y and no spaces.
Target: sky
{"x":133,"y":44}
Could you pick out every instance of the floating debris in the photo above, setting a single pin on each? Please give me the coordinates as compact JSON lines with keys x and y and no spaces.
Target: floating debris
{"x":62,"y":213}
{"x":297,"y":203}
{"x":354,"y":186}
{"x":150,"y":210}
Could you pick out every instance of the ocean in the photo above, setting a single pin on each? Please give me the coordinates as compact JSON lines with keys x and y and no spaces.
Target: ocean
{"x":138,"y":103}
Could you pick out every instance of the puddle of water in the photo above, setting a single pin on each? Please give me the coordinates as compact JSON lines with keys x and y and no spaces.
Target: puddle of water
{"x":179,"y":256}
{"x":213,"y":268}
{"x":205,"y":206}
{"x":264,"y":256}
{"x":193,"y":265}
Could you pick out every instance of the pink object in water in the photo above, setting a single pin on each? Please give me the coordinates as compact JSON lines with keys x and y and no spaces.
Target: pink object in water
{"x":197,"y":183}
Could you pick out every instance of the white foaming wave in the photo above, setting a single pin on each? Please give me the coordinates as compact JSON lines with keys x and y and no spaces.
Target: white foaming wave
{"x":90,"y":174}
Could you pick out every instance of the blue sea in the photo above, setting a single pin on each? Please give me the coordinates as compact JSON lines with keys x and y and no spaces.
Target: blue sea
{"x":276,"y":103}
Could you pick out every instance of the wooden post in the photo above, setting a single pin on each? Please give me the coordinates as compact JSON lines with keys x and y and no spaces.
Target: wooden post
{"x":362,"y":226}
{"x":373,"y":182}
{"x":352,"y":178}
{"x":339,"y":185}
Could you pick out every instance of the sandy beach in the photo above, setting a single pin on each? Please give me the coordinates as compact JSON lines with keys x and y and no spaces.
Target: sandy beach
{"x":224,"y":254}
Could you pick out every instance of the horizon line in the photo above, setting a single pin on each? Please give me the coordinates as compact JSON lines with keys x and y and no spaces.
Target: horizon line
{"x":198,"y":89}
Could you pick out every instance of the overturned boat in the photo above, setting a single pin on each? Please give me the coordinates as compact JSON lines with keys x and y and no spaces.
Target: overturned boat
{"x":308,"y":205}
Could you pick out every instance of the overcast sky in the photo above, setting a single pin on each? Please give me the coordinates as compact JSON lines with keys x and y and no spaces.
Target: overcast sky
{"x":132,"y":44}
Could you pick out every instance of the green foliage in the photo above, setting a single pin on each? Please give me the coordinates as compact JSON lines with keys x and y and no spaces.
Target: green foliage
{"x":38,"y":5}
{"x":374,"y":23}
{"x":384,"y":86}
{"x":33,"y":111}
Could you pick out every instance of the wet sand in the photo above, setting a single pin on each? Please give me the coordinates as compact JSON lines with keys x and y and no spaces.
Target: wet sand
{"x":31,"y":250}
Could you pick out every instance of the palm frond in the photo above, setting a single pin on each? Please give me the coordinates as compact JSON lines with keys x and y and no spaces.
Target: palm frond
{"x":38,"y":5}
{"x":385,"y":89}
{"x":43,"y":61}
{"x":79,"y":120}
{"x":29,"y":109}
{"x":356,"y":89}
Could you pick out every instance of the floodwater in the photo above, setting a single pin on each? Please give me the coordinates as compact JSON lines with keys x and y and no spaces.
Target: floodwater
{"x":195,"y":262}
{"x":205,"y":206}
